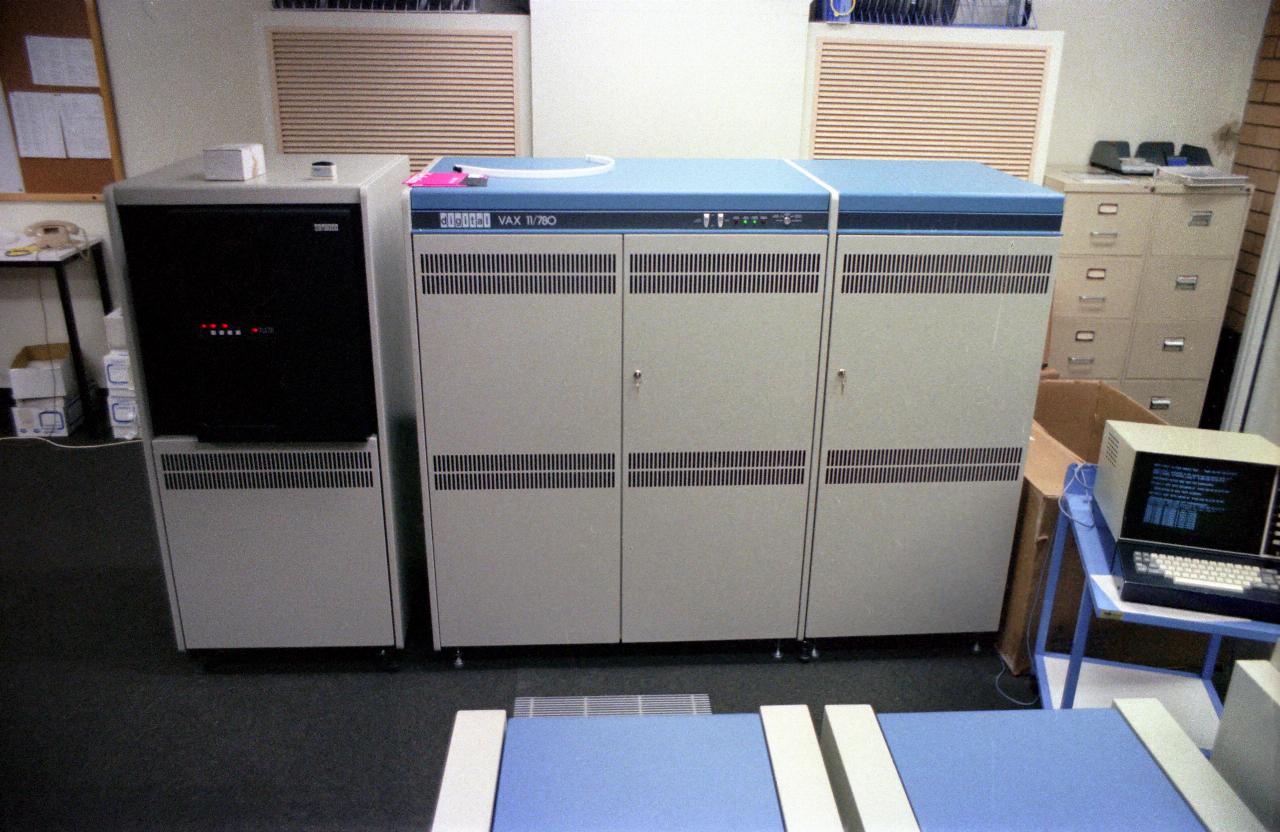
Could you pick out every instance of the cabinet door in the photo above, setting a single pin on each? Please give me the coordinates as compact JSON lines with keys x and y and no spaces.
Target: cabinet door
{"x":718,"y":385}
{"x":520,"y":342}
{"x":930,"y":389}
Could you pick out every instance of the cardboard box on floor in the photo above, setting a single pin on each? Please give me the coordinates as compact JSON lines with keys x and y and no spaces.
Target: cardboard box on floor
{"x":1068,"y":426}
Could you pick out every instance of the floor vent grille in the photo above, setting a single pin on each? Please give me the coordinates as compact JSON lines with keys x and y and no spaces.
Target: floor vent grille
{"x":675,"y":704}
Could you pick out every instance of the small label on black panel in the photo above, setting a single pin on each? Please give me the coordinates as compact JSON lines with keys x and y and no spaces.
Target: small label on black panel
{"x":325,"y":226}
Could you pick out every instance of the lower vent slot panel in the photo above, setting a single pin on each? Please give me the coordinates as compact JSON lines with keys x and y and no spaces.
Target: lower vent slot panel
{"x":236,"y":470}
{"x":506,"y":472}
{"x":922,"y":465}
{"x":676,"y":469}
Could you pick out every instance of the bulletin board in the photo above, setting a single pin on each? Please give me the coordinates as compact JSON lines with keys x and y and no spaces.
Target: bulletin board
{"x":58,"y":135}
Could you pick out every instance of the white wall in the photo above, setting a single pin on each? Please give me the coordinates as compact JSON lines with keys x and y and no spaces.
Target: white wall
{"x":665,"y":77}
{"x":1175,"y":69}
{"x":184,"y":76}
{"x":668,"y":77}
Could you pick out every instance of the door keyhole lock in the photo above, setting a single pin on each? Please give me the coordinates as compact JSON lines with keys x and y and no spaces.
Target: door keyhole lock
{"x":636,"y":376}
{"x":841,"y":374}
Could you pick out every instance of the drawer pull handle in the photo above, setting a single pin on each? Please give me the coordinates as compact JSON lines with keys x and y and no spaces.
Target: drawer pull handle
{"x":1093,"y":298}
{"x":1161,"y":403}
{"x":1186,"y":282}
{"x":1080,"y":359}
{"x":1201,"y":219}
{"x":1086,"y":335}
{"x":1108,"y":208}
{"x":1174,"y":344}
{"x":1095,"y":274}
{"x":1105,"y":235}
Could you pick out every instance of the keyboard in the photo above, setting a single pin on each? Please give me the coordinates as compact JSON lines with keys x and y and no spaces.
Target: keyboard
{"x":1192,"y":579}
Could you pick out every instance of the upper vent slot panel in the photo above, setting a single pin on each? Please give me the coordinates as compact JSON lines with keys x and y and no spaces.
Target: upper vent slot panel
{"x":950,"y":274}
{"x":724,"y":273}
{"x":518,"y":274}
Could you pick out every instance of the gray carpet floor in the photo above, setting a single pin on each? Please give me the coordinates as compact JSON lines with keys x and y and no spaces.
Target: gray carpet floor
{"x":105,"y":725}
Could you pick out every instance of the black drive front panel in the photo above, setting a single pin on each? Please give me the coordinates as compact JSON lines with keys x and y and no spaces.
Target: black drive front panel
{"x":253,"y":321}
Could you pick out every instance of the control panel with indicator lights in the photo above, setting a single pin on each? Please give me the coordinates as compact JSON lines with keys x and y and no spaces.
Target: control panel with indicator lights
{"x":720,"y":219}
{"x":225,"y":330}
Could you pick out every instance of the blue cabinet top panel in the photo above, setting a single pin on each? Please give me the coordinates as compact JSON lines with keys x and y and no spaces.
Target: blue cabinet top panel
{"x":633,"y":185}
{"x":867,"y":185}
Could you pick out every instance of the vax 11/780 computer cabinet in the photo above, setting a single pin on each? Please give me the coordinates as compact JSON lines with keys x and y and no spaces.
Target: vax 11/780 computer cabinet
{"x":625,"y":383}
{"x":618,"y":379}
{"x":940,"y":300}
{"x":274,"y":378}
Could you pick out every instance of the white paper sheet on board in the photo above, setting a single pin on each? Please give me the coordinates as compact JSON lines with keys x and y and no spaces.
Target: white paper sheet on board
{"x":62,"y":62}
{"x":84,"y":126}
{"x":10,"y":171}
{"x":37,"y":122}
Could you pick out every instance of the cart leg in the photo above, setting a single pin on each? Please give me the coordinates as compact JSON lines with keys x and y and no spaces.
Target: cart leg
{"x":1206,"y":672}
{"x":1083,"y":618}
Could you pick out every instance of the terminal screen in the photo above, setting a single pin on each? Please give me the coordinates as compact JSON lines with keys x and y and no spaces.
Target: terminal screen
{"x":1210,"y":504}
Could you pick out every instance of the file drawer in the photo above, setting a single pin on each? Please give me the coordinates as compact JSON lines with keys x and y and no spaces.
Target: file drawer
{"x":1185,"y":288}
{"x":1088,"y":347}
{"x":1105,"y":223}
{"x":1172,"y":349}
{"x":1177,"y":401}
{"x":1096,"y":287}
{"x":1206,"y":225}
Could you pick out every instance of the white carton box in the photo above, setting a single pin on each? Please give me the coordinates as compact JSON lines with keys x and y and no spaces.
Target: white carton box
{"x":116,"y":338}
{"x":117,"y":370}
{"x":41,"y":371}
{"x":234,"y":162}
{"x":53,"y":416}
{"x":122,"y":411}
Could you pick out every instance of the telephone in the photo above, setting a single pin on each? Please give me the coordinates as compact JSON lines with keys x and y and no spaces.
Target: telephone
{"x":53,"y":233}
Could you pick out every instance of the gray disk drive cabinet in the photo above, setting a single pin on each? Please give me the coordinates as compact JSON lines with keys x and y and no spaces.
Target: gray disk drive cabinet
{"x":274,"y":375}
{"x":623,"y":381}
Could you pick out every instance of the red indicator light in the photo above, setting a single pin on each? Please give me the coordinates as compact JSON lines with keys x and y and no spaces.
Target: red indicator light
{"x":224,"y":326}
{"x":204,"y":326}
{"x":255,"y":329}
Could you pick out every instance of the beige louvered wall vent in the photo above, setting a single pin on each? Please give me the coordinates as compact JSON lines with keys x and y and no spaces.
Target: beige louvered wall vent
{"x":909,"y":100}
{"x":424,"y":94}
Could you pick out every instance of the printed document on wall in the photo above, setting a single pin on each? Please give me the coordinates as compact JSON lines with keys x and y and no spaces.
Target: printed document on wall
{"x":37,"y":122}
{"x":10,"y":170}
{"x":62,"y":62}
{"x":84,"y":126}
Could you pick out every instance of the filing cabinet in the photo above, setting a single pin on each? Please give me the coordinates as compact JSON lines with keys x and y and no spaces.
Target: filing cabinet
{"x":1142,"y":285}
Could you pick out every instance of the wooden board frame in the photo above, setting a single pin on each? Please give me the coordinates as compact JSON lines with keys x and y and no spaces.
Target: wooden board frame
{"x":57,"y":180}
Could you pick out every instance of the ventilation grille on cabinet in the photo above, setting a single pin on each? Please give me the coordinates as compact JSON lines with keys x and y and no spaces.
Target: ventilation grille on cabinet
{"x":646,"y":704}
{"x":899,"y":99}
{"x":669,"y":470}
{"x":502,"y":472}
{"x":946,"y":274}
{"x":218,"y":470}
{"x":893,"y":465}
{"x":519,"y":274}
{"x":736,"y":273}
{"x":1111,"y":449}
